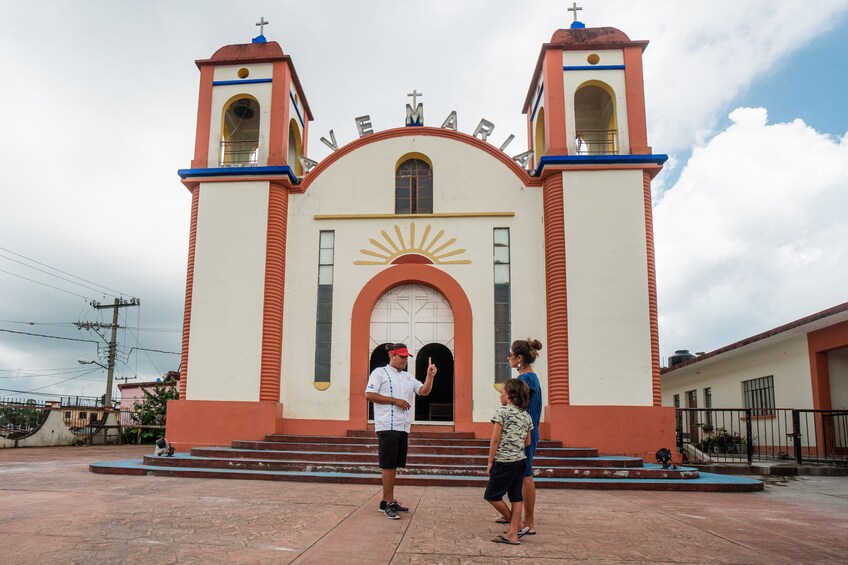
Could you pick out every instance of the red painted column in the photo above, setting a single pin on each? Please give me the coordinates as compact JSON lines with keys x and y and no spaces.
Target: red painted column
{"x":192,"y":240}
{"x":555,"y":289}
{"x":272,"y":319}
{"x":656,"y":381}
{"x":204,"y":117}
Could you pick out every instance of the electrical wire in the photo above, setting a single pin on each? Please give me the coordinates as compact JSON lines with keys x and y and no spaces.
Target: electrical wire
{"x":117,"y":292}
{"x":51,"y":336}
{"x":47,"y":285}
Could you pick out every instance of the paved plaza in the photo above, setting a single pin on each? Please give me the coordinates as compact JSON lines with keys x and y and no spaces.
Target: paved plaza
{"x":53,"y":510}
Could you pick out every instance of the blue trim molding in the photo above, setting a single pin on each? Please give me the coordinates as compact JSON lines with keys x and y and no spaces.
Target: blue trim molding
{"x":593,"y":68}
{"x":299,"y":117}
{"x":547,"y":160}
{"x":536,"y":105}
{"x":240,"y":172}
{"x":245,"y":81}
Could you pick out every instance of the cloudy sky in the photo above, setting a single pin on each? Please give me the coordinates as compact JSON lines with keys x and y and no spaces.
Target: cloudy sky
{"x":100,"y":100}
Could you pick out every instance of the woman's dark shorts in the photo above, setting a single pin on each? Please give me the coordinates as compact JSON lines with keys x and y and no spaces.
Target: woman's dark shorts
{"x":530,"y":451}
{"x":393,"y":448}
{"x":506,"y":478}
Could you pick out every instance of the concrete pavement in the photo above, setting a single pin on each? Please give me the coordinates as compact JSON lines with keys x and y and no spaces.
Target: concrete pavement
{"x":53,"y":510}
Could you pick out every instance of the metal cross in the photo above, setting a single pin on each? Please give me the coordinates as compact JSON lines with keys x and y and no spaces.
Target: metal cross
{"x":262,"y":23}
{"x":573,"y":8}
{"x":415,"y":94}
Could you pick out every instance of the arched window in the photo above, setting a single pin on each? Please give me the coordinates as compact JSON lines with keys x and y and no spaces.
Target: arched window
{"x":240,"y":133}
{"x":539,"y":144}
{"x":595,"y":120}
{"x":414,"y":187}
{"x":294,"y":149}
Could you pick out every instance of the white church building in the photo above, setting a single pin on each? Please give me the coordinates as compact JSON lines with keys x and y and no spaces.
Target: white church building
{"x":299,"y":271}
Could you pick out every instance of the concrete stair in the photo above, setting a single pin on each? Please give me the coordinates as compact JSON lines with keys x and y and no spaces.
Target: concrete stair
{"x":435,"y":458}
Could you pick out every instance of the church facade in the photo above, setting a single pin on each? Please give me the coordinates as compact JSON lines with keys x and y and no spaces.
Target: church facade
{"x":299,"y":272}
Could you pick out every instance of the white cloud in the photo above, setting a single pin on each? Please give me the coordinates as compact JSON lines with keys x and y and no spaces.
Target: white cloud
{"x":753,"y":234}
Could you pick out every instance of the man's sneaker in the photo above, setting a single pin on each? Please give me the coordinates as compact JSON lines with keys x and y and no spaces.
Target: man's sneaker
{"x":391,"y":511}
{"x":398,"y":507}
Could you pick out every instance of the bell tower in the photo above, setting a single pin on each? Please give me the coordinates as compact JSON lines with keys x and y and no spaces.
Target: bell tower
{"x":252,"y":124}
{"x":586,"y":126}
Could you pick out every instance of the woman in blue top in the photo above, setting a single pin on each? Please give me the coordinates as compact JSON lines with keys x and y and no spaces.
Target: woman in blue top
{"x":522,"y":354}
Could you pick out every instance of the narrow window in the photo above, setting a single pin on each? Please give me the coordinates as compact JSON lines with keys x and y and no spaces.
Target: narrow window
{"x":677,"y":401}
{"x":708,"y":404}
{"x":324,"y":315}
{"x":502,"y":304}
{"x":414,"y":188}
{"x":758,"y":394}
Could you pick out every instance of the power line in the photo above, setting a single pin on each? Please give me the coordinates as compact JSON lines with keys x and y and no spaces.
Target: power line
{"x":51,"y":336}
{"x":49,"y":394}
{"x":60,"y":382}
{"x":154,"y":350}
{"x":45,"y":284}
{"x":61,"y":271}
{"x":51,"y":274}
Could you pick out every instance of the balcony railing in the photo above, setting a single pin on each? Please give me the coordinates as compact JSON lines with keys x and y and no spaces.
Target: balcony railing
{"x":745,"y":435}
{"x":597,"y":142}
{"x":243,"y":153}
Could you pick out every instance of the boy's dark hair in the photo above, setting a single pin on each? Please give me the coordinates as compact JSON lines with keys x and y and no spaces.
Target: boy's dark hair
{"x":518,"y":393}
{"x":393,"y":346}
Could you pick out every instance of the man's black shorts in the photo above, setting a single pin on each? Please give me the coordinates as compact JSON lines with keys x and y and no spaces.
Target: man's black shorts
{"x":393,"y":447}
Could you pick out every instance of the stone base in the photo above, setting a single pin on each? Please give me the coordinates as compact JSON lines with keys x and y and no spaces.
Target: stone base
{"x":196,"y":423}
{"x":636,"y":431}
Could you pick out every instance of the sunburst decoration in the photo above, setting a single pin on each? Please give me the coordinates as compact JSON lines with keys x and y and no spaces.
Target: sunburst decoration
{"x":426,"y":250}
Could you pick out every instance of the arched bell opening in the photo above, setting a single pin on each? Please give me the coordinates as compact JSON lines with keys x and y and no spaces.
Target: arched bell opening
{"x":240,"y":132}
{"x":595,"y":120}
{"x":295,"y":149}
{"x":539,"y":139}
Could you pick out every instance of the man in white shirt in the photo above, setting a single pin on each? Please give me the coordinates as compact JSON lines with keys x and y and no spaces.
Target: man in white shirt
{"x":392,"y":391}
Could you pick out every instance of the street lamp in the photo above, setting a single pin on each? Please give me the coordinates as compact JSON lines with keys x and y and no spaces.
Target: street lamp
{"x":107,"y":399}
{"x":82,"y":361}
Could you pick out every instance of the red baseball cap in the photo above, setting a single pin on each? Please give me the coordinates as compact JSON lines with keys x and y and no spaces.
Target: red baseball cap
{"x":402,"y":351}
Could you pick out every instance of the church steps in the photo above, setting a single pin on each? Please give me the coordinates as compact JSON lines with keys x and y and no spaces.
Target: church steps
{"x":370,"y":456}
{"x":436,"y":449}
{"x":478,"y":470}
{"x":371,"y":439}
{"x":435,"y":459}
{"x":711,"y":483}
{"x":417,"y":432}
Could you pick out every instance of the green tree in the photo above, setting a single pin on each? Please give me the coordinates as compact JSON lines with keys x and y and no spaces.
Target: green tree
{"x":152,"y":411}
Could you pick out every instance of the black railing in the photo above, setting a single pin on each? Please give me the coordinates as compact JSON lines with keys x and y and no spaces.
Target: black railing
{"x":745,"y":435}
{"x":597,"y":142}
{"x":244,"y":153}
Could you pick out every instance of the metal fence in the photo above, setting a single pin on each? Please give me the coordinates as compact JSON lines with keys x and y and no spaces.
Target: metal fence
{"x":20,"y":418}
{"x":744,"y":435}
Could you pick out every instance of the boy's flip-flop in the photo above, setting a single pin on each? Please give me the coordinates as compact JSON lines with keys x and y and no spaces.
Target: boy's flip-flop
{"x":525,"y":531}
{"x":502,"y":520}
{"x":502,"y":539}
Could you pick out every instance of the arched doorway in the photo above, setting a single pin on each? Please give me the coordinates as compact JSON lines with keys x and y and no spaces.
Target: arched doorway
{"x":438,"y":405}
{"x":421,"y":317}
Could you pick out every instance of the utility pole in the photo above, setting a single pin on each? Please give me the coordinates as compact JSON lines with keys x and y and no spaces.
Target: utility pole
{"x":113,"y":345}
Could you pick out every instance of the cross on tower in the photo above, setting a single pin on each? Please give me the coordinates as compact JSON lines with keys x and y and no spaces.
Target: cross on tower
{"x":262,"y":23}
{"x":573,"y":8}
{"x":415,"y":94}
